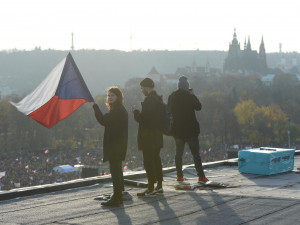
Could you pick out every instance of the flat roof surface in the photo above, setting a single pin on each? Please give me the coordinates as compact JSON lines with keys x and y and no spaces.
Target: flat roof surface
{"x":248,"y":199}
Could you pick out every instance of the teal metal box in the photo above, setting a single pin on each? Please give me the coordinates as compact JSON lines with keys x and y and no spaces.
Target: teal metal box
{"x":266,"y":160}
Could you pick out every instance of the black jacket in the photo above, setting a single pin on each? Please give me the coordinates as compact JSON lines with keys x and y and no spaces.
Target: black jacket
{"x":149,"y":134}
{"x":182,"y":105}
{"x":115,"y":132}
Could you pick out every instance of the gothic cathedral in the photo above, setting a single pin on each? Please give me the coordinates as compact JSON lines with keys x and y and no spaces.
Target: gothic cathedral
{"x":245,"y":61}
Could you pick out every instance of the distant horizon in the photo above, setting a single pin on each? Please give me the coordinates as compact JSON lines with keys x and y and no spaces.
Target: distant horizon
{"x":157,"y":25}
{"x":137,"y":50}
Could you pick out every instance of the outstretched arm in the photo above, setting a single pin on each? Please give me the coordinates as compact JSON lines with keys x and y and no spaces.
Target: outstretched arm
{"x":98,"y":114}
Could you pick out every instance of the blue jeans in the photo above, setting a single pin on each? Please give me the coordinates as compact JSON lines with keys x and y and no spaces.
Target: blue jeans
{"x":194,"y":147}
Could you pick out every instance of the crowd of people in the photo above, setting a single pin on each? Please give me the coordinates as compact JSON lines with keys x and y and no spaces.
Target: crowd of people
{"x":36,"y":168}
{"x":24,"y":169}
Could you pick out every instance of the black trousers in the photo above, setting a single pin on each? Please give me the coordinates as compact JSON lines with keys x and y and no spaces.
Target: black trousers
{"x":116,"y":171}
{"x":152,"y":164}
{"x":194,"y":147}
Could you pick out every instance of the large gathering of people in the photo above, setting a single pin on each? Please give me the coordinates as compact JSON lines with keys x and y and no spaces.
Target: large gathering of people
{"x":15,"y":173}
{"x":24,"y":169}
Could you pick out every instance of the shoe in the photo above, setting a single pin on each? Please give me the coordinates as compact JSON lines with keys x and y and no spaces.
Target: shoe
{"x":146,"y":193}
{"x":104,"y":197}
{"x":159,"y":190}
{"x":112,"y":202}
{"x":203,"y":180}
{"x":180,"y":179}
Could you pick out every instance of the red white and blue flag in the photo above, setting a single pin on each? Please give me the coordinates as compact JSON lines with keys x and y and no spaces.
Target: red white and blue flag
{"x":58,"y":96}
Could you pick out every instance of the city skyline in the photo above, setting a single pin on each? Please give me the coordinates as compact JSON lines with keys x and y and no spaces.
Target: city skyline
{"x":148,"y":25}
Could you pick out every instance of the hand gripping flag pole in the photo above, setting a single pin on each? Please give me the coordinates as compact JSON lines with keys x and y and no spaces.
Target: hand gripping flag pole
{"x":61,"y":93}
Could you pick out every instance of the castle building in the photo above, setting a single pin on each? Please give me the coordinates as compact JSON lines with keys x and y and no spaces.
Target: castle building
{"x":243,"y":61}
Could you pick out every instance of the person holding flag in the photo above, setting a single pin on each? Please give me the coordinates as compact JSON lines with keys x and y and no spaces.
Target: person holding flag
{"x":115,"y":124}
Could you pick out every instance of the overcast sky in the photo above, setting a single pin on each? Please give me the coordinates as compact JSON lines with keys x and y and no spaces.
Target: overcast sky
{"x":149,"y":24}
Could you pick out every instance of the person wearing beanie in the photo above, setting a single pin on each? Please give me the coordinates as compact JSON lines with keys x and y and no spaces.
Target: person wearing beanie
{"x":150,"y":137}
{"x":183,"y":83}
{"x":186,"y":129}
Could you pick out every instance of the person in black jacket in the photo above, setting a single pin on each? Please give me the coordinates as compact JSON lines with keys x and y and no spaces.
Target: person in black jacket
{"x":150,"y":138}
{"x":183,"y":104}
{"x":115,"y":140}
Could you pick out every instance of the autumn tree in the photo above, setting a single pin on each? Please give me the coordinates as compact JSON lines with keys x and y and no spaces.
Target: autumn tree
{"x":261,"y":125}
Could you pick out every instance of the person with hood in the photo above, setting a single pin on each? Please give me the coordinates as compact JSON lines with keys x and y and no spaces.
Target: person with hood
{"x":115,"y":140}
{"x":183,"y":104}
{"x":150,"y":137}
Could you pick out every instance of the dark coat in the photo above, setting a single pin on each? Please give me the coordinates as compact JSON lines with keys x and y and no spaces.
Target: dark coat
{"x":182,"y":105}
{"x":149,"y":134}
{"x":115,"y":133}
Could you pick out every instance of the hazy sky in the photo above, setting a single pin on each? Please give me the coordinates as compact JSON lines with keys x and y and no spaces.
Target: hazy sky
{"x":149,"y":24}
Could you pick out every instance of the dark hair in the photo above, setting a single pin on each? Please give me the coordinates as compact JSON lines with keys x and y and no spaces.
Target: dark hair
{"x":147,"y":82}
{"x":118,"y":93}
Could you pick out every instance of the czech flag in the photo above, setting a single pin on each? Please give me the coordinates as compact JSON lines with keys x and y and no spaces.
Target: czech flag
{"x":58,"y":96}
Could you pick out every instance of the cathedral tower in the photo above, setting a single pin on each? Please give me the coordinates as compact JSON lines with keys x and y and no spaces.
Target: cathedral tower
{"x":262,"y":56}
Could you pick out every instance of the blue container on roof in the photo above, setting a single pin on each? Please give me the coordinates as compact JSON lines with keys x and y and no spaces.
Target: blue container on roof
{"x":266,"y":161}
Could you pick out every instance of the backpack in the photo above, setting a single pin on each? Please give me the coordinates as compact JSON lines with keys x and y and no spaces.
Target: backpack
{"x":165,"y":122}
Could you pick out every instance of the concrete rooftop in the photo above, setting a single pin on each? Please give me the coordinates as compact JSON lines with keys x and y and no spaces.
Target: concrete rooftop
{"x":248,"y":199}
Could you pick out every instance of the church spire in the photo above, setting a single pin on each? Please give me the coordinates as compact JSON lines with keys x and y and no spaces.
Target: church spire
{"x":248,"y":44}
{"x":262,"y":51}
{"x":262,"y":56}
{"x":234,"y":40}
{"x":234,"y":34}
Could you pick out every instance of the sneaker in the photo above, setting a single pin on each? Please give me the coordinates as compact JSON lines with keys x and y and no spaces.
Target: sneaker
{"x":159,"y":190}
{"x":203,"y":180}
{"x":146,"y":193}
{"x":180,"y":179}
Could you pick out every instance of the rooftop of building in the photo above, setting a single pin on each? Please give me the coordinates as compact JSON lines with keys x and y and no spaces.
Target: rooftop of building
{"x":246,"y":199}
